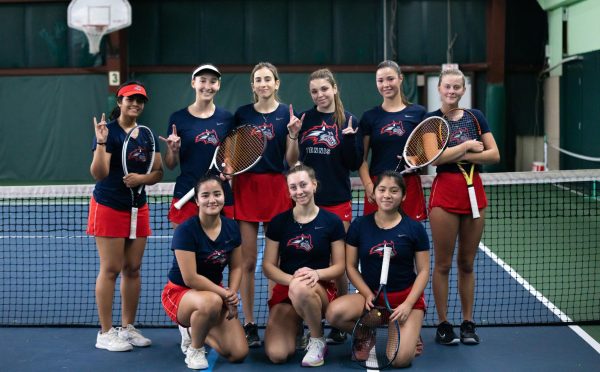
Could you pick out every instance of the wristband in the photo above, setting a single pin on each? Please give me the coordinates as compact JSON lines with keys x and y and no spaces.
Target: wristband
{"x":292,"y":138}
{"x":100,"y":143}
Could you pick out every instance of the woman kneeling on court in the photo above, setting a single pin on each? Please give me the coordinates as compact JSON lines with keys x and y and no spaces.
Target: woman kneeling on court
{"x":299,"y":246}
{"x":194,"y":296}
{"x":408,"y":272}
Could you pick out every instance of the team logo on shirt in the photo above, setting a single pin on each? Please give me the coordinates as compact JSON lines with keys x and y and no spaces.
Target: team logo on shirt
{"x":138,"y":155}
{"x":302,"y":241}
{"x":378,"y":249}
{"x":267,"y":130}
{"x":217,"y":258}
{"x":395,"y":128}
{"x":208,"y":137}
{"x":325,"y":134}
{"x":458,"y":136}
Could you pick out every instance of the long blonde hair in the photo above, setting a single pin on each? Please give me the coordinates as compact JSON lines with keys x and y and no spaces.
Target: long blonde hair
{"x":338,"y":115}
{"x":273,"y":70}
{"x":452,"y":71}
{"x":394,"y":66}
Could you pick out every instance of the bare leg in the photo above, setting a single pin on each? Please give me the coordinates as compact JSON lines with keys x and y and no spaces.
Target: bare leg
{"x":111,"y":253}
{"x":468,"y":242}
{"x":280,"y":335}
{"x":130,"y":279}
{"x":249,"y":232}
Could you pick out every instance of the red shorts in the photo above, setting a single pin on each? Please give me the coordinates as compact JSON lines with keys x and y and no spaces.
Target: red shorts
{"x":260,"y":196}
{"x":112,"y":223}
{"x":342,"y":210}
{"x":280,"y":293}
{"x":171,"y":297}
{"x":190,"y":209}
{"x":449,"y":191}
{"x":398,"y":297}
{"x":414,"y":204}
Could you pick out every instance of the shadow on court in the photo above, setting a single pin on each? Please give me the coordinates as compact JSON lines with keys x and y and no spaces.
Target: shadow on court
{"x":502,"y":348}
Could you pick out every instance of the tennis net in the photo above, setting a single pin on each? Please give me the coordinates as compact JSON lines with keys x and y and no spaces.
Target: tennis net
{"x":538,"y":263}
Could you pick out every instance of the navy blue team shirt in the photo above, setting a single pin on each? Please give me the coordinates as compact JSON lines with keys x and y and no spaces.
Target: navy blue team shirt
{"x":111,"y":191}
{"x":273,"y":125}
{"x":212,"y":256}
{"x":331,"y":154}
{"x":388,"y":133}
{"x":406,"y":238}
{"x":305,"y":245}
{"x":455,"y":139}
{"x":199,"y":139}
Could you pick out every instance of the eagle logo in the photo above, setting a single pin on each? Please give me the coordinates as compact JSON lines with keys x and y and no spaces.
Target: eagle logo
{"x":395,"y":128}
{"x":302,"y":241}
{"x":217,"y":258}
{"x":378,"y":249}
{"x":325,"y":134}
{"x":208,"y":137}
{"x":138,"y":155}
{"x":267,"y":130}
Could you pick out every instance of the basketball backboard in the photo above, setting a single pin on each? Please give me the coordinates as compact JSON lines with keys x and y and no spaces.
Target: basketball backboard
{"x":97,"y":18}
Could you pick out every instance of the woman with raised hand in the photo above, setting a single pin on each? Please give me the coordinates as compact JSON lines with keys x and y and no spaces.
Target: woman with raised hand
{"x":195,"y":296}
{"x":110,"y":215}
{"x":304,"y":253}
{"x":261,"y":193}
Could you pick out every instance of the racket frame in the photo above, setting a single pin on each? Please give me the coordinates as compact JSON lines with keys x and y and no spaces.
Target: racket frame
{"x":412,"y":136}
{"x":469,"y":176}
{"x":190,"y":194}
{"x":136,"y":191}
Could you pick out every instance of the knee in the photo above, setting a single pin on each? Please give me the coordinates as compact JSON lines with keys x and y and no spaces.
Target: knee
{"x":238,"y":355}
{"x":131,"y":271}
{"x":442,"y":268}
{"x":249,"y":264}
{"x":403,"y":359}
{"x":299,"y":292}
{"x":276,"y":355}
{"x":109,"y":272}
{"x":465,"y":266}
{"x":334,"y":314}
{"x":209,"y":305}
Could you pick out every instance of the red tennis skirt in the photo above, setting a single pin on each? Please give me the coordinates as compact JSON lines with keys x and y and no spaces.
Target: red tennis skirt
{"x":170,"y":299}
{"x":342,"y":210}
{"x":190,"y":209}
{"x":280,"y":293}
{"x":414,"y":204}
{"x":449,"y":191}
{"x":398,"y":297}
{"x":260,"y":196}
{"x":112,"y":223}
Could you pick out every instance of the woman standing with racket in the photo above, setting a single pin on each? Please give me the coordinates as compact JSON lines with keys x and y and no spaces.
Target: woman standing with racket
{"x":194,"y":132}
{"x":261,"y":193}
{"x":451,"y":215}
{"x":329,"y":143}
{"x":194,"y":296}
{"x":304,"y":253}
{"x":110,"y":213}
{"x":408,"y":270}
{"x":385,"y":129}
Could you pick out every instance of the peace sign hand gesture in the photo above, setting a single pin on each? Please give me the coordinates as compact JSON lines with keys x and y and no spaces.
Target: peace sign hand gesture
{"x":295,"y":124}
{"x":173,"y":141}
{"x":349,"y":129}
{"x":101,"y":129}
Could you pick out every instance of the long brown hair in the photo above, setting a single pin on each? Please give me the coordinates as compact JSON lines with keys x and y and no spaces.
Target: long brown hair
{"x":394,"y":66}
{"x":338,"y":115}
{"x":273,"y":70}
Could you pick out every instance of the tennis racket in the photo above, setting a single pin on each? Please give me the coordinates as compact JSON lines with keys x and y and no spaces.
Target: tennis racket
{"x":465,"y":126}
{"x":425,"y":143}
{"x":137,"y":156}
{"x":238,"y":152}
{"x":376,"y":340}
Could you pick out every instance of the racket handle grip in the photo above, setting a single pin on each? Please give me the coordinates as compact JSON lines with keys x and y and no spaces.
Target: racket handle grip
{"x":385,"y":265}
{"x":473,"y":201}
{"x":185,"y":199}
{"x":133,"y":223}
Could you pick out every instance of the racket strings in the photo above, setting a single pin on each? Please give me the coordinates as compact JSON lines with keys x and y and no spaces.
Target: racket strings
{"x":426,"y":142}
{"x":463,"y":126}
{"x":139,"y":147}
{"x":240,"y":150}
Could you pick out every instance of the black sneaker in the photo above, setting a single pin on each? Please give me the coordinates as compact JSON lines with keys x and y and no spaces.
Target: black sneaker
{"x":251,"y":331}
{"x":467,"y":333}
{"x":445,"y":334}
{"x":336,"y":336}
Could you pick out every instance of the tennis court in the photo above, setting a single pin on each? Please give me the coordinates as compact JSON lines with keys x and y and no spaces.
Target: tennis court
{"x":538,"y":265}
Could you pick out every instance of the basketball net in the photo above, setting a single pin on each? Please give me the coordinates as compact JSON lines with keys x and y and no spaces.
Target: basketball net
{"x":94,"y":35}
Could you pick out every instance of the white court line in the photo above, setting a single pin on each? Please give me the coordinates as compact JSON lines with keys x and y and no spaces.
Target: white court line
{"x":537,"y":294}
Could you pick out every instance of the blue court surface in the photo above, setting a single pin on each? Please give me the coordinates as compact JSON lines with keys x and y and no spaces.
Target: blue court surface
{"x":501,"y":349}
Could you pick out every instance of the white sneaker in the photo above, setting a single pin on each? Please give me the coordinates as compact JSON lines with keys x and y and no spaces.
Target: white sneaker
{"x":133,"y":336}
{"x":315,"y":356}
{"x":196,"y":358}
{"x":186,"y":340}
{"x":111,"y":341}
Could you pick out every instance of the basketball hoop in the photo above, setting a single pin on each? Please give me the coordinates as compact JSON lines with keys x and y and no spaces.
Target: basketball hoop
{"x":97,"y":18}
